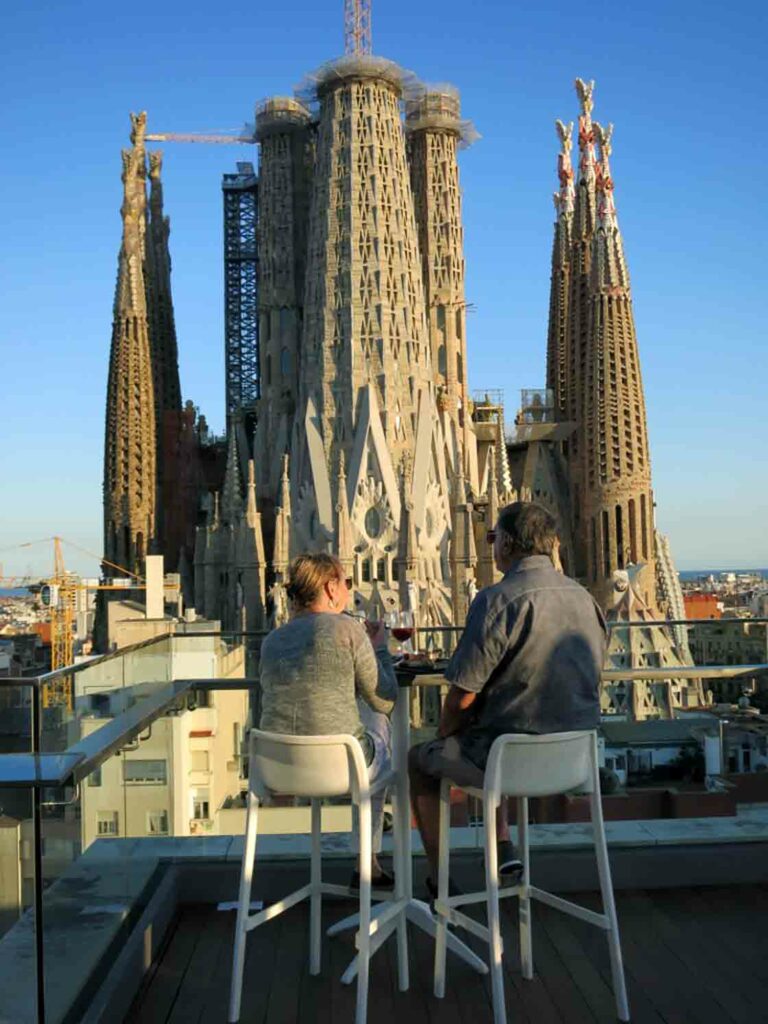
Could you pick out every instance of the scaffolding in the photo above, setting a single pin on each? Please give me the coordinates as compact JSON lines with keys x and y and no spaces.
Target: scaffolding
{"x":241,"y":319}
{"x":438,"y":108}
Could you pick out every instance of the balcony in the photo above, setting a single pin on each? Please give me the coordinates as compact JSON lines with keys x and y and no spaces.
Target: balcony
{"x":691,"y":954}
{"x":130,"y":924}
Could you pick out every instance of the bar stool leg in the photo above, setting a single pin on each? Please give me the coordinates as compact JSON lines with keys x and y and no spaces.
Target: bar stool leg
{"x":441,"y":931}
{"x":364,"y":930}
{"x":315,"y":903}
{"x":403,"y":979}
{"x":243,"y":905}
{"x":524,"y":907}
{"x":490,"y":804}
{"x":606,"y":891}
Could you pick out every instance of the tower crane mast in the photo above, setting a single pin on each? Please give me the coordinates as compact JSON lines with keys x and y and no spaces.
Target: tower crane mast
{"x":357,"y":27}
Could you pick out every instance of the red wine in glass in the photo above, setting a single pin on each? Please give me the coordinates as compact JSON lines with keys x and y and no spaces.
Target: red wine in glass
{"x":402,"y":633}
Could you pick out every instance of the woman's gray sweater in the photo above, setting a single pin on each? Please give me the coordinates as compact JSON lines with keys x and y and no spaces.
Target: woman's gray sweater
{"x":312,"y":670}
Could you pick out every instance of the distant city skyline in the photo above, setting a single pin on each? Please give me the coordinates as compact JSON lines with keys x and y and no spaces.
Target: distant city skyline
{"x":682,"y":86}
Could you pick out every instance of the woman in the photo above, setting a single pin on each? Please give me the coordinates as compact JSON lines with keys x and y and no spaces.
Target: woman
{"x":321,"y":674}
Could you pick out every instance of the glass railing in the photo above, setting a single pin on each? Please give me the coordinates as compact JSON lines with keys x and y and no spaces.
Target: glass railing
{"x":126,"y":752}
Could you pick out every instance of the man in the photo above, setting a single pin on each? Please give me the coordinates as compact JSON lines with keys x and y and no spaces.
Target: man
{"x":529,"y":661}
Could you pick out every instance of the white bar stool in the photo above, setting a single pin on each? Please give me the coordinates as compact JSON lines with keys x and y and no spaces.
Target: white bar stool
{"x":314,"y":767}
{"x":526,"y":766}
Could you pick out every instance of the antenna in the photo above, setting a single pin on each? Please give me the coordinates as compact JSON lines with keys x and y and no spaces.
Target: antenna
{"x":357,"y":27}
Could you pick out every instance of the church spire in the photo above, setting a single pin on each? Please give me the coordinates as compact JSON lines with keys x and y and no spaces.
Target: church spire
{"x":251,"y":563}
{"x":232,"y":491}
{"x":165,"y":355}
{"x":130,"y":436}
{"x":345,"y":545}
{"x":282,"y":551}
{"x":584,"y":207}
{"x":617,"y":496}
{"x":609,"y":269}
{"x":557,"y":335}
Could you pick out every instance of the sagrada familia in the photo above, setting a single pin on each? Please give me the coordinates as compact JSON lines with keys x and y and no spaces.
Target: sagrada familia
{"x":360,"y":435}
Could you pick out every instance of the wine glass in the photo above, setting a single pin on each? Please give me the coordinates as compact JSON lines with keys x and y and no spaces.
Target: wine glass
{"x":402,"y":630}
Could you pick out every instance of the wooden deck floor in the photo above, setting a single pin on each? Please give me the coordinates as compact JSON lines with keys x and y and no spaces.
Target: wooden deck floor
{"x":692,"y":956}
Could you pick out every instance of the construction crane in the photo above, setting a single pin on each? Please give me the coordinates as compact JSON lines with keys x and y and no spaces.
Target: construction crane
{"x":59,"y":593}
{"x":62,"y":616}
{"x":357,"y":42}
{"x":247,"y":136}
{"x":357,"y":27}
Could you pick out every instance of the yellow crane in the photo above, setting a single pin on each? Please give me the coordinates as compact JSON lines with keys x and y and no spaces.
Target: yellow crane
{"x":59,"y":593}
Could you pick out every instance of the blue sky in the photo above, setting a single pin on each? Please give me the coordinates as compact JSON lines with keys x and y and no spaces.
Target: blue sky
{"x":683,"y":82}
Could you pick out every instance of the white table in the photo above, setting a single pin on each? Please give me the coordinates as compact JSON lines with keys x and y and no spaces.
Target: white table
{"x":393,"y":913}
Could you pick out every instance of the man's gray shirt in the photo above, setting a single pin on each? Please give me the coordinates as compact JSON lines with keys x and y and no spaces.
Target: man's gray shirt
{"x":533,"y":649}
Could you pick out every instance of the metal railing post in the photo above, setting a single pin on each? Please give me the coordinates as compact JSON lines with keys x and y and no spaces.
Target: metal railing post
{"x":38,"y":859}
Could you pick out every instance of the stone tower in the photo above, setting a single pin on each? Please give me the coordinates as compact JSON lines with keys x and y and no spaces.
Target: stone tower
{"x":434,"y":133}
{"x":165,"y":353}
{"x":285,"y":137}
{"x":558,"y":348}
{"x":130,"y":475}
{"x":175,"y":492}
{"x":366,"y":390}
{"x":594,"y":371}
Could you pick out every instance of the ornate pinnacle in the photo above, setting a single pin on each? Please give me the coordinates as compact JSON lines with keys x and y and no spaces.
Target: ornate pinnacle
{"x":584,"y":91}
{"x":138,"y":129}
{"x":604,"y":136}
{"x":606,"y":209}
{"x":565,"y":134}
{"x":155,"y":164}
{"x":564,"y":202}
{"x":251,"y":507}
{"x":342,"y":474}
{"x":282,"y":546}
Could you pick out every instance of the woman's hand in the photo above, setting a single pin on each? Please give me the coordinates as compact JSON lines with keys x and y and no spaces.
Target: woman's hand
{"x":377,"y":634}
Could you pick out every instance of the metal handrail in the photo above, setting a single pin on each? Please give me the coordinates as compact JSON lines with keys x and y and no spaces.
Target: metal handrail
{"x":121,"y":652}
{"x":70,"y":766}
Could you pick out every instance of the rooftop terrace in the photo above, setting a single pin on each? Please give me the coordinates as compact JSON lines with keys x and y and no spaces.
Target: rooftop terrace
{"x":125,"y":827}
{"x":691,"y":954}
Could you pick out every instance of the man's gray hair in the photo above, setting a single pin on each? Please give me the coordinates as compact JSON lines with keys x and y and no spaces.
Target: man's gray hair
{"x":530,"y":528}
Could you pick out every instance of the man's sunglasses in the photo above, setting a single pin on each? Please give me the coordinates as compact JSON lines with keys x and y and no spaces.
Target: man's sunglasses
{"x":491,"y":536}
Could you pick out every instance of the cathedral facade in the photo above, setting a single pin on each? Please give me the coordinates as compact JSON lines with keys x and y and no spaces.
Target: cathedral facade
{"x":365,"y":444}
{"x":364,"y":440}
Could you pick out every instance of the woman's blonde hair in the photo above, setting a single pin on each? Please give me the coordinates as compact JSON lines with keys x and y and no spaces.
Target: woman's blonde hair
{"x":308,"y":574}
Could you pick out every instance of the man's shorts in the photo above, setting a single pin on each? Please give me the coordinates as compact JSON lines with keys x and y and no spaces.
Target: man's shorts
{"x":443,"y":759}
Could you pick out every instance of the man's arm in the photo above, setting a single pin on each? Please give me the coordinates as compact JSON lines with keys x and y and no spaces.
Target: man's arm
{"x":457,"y":708}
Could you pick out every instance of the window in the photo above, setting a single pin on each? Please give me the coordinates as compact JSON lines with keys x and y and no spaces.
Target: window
{"x":157,"y":823}
{"x":373,"y":524}
{"x":442,"y":363}
{"x":199,"y":761}
{"x":201,"y":804}
{"x":107,"y":823}
{"x":94,"y":779}
{"x":146,"y":772}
